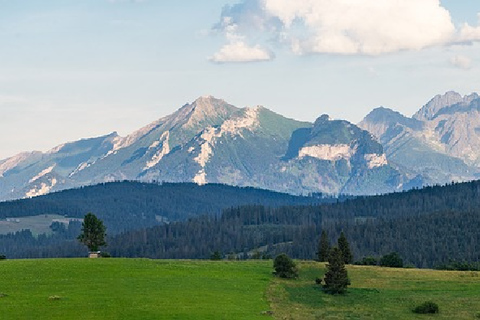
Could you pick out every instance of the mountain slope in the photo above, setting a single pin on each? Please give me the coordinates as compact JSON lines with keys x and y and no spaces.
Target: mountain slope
{"x":437,"y":145}
{"x":211,"y":141}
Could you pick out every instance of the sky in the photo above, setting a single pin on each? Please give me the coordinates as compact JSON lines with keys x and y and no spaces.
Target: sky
{"x":74,"y":69}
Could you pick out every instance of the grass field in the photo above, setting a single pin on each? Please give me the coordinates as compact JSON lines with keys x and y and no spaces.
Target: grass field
{"x":378,"y":293}
{"x":165,"y":289}
{"x":37,"y":224}
{"x":132,"y":289}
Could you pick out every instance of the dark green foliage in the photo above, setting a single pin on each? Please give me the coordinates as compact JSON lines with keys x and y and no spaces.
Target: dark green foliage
{"x":216,"y":255}
{"x":104,"y":254}
{"x":392,"y":260}
{"x":285,"y":267}
{"x":459,"y":266}
{"x":323,"y":247}
{"x":428,"y":227}
{"x":130,"y":205}
{"x":93,"y":232}
{"x":3,"y":257}
{"x":336,"y":278}
{"x":427,"y":307}
{"x":367,"y":261}
{"x":344,"y":247}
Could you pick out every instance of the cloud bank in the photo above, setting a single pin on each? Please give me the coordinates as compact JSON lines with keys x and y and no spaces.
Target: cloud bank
{"x":368,"y":27}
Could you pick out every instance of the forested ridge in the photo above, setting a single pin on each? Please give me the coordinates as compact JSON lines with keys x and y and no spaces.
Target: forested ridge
{"x":131,"y":205}
{"x":427,"y":227}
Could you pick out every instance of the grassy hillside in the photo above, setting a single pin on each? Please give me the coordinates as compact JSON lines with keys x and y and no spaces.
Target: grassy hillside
{"x":378,"y":293}
{"x":167,"y":289}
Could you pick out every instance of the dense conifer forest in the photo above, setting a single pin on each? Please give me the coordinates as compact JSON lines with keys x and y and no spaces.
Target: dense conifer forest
{"x":427,"y":227}
{"x":131,"y":205}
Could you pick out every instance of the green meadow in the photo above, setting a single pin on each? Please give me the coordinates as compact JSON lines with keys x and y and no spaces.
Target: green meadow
{"x":38,"y":224}
{"x":186,"y":289}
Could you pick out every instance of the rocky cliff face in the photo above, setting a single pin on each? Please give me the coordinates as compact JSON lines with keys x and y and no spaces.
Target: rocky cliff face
{"x":439,"y":144}
{"x":210,"y":140}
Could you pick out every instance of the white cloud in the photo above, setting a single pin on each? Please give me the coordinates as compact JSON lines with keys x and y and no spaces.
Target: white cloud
{"x":461,"y":62}
{"x":239,"y":51}
{"x":370,"y":27}
{"x":469,"y":33}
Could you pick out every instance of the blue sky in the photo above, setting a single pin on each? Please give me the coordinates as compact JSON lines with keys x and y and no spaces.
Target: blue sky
{"x":75,"y":69}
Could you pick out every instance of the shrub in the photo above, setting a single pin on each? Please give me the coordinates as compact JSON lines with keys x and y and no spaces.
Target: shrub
{"x":391,"y":260}
{"x":3,"y":257}
{"x":285,"y":267}
{"x":427,"y":307}
{"x":367,"y":261}
{"x":217,"y":255}
{"x":104,"y":254}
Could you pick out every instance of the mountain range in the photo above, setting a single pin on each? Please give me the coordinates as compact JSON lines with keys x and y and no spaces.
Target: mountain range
{"x":212,"y":141}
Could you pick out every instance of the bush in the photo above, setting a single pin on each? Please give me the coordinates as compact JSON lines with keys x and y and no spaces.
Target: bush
{"x":285,"y":267}
{"x":427,"y":307}
{"x":367,"y":261}
{"x":3,"y":257}
{"x":105,"y":254}
{"x":391,"y":260}
{"x":217,"y":255}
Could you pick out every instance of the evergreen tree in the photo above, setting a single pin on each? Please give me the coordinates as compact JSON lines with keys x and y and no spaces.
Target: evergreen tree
{"x":336,"y":277}
{"x":93,"y":232}
{"x":323,"y":247}
{"x":344,"y":247}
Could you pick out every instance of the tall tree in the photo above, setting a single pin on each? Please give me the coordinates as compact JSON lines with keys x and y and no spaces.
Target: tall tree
{"x":93,"y":232}
{"x":344,"y":247}
{"x":323,"y":247}
{"x":336,"y":277}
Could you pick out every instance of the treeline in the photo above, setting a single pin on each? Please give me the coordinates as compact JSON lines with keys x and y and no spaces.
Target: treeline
{"x":428,"y":227}
{"x":238,"y":231}
{"x":131,"y":205}
{"x":63,"y":243}
{"x":423,"y":240}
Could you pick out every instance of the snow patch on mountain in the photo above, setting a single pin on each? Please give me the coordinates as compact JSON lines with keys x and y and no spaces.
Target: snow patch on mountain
{"x":376,"y":160}
{"x":43,"y":189}
{"x":328,"y":152}
{"x":157,"y":157}
{"x":42,"y":173}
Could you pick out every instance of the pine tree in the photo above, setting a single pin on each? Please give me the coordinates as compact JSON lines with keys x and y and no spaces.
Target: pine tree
{"x":336,"y":277}
{"x":344,"y":247}
{"x":323,"y":247}
{"x":93,"y":232}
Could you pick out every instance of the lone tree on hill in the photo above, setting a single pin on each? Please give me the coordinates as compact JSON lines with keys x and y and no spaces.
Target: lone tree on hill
{"x":93,"y":232}
{"x":323,"y":247}
{"x":336,"y":277}
{"x":344,"y":247}
{"x":285,"y":267}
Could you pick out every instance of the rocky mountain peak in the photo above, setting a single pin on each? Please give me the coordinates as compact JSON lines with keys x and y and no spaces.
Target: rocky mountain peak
{"x":439,"y":102}
{"x":206,"y":110}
